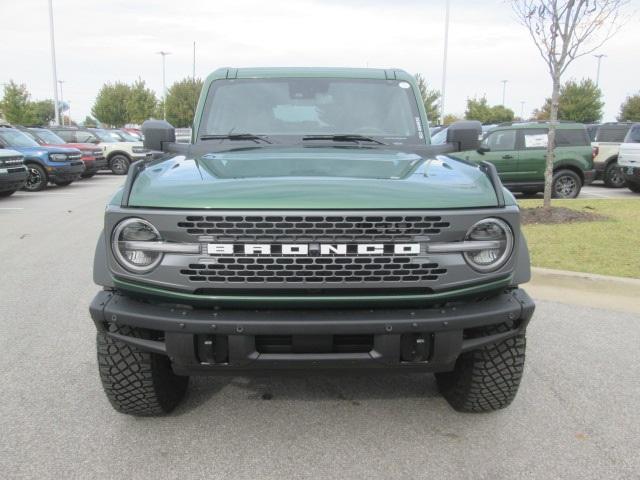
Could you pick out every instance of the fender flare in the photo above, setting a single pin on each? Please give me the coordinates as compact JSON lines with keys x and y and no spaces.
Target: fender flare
{"x":101,"y":273}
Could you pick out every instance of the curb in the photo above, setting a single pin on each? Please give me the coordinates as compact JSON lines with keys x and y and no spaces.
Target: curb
{"x":600,"y":291}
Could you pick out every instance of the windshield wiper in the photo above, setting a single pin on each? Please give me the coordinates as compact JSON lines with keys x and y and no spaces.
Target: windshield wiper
{"x":237,"y":136}
{"x":344,"y":137}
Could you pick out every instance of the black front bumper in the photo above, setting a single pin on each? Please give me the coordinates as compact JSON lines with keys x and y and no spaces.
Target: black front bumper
{"x":215,"y":341}
{"x":65,"y":173}
{"x":13,"y":179}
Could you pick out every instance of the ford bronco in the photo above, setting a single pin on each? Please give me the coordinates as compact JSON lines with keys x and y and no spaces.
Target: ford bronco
{"x":309,"y":225}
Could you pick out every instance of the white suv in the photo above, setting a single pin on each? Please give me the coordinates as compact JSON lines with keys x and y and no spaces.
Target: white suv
{"x":608,"y":138}
{"x":629,"y":158}
{"x":119,"y":154}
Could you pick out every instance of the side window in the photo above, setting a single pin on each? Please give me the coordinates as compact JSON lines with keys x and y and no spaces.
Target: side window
{"x":634,"y":135}
{"x":612,"y":133}
{"x":501,"y":140}
{"x":572,"y":138}
{"x":535,"y":138}
{"x":84,"y":137}
{"x":66,"y":135}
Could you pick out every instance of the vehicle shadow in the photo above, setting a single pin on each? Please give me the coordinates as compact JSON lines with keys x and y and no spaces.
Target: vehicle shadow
{"x":303,"y":386}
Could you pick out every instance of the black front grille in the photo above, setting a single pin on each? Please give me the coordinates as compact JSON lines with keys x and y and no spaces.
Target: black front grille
{"x":314,"y":270}
{"x":309,"y":228}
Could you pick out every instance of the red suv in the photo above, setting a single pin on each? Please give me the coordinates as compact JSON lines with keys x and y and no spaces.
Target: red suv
{"x":92,"y":156}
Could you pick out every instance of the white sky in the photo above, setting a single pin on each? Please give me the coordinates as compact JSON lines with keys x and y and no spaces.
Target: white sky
{"x":109,"y":40}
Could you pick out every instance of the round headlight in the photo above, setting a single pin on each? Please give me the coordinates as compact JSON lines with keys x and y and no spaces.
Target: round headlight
{"x":125,"y":243}
{"x":489,"y":230}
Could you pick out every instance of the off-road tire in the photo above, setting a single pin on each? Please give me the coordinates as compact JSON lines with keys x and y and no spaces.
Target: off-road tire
{"x":487,"y":379}
{"x":566,"y":178}
{"x":37,"y":179}
{"x":634,"y":187}
{"x":119,"y":164}
{"x":7,"y":193}
{"x":613,"y":177}
{"x":137,"y":383}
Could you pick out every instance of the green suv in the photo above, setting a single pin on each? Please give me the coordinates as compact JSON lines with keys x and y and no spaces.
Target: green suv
{"x":310,"y":225}
{"x":518,"y":150}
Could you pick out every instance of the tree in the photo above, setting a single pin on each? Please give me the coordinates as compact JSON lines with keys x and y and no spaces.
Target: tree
{"x":578,"y":102}
{"x":15,"y":103}
{"x":41,"y":112}
{"x":111,"y":104}
{"x":141,"y":103}
{"x":630,"y":109}
{"x":562,"y":31}
{"x":89,"y":122}
{"x":430,"y":99}
{"x":181,"y":102}
{"x":450,"y":118}
{"x":479,"y":109}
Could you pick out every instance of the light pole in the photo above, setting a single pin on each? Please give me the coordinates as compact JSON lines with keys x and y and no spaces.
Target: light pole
{"x":522,"y":109}
{"x":53,"y":65}
{"x":504,"y":91}
{"x":164,"y":84}
{"x":61,"y":100}
{"x":444,"y":59}
{"x":599,"y":57}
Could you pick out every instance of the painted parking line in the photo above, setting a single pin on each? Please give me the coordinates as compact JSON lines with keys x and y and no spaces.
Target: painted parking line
{"x":11,"y":208}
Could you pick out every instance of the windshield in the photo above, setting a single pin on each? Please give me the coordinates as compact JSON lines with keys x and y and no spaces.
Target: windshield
{"x":294,"y":107}
{"x":105,"y":136}
{"x":48,"y":137}
{"x":125,"y":136}
{"x":16,"y":138}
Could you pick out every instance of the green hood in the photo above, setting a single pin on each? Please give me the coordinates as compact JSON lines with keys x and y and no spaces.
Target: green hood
{"x":311,"y":178}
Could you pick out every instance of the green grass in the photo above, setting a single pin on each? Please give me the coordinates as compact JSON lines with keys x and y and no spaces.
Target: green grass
{"x":610,"y":247}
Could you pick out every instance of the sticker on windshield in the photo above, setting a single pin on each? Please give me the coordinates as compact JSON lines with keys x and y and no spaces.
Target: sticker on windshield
{"x":404,"y":85}
{"x":419,"y":125}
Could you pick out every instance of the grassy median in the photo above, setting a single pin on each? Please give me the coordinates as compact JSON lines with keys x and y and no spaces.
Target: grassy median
{"x":608,"y":246}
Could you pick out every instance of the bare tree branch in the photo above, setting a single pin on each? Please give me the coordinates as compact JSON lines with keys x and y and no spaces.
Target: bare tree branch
{"x":562,"y":31}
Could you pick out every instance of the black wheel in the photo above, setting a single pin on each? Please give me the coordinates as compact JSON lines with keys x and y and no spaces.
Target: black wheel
{"x":487,"y":379}
{"x":64,"y":184}
{"x":634,"y":187}
{"x":7,"y":193}
{"x":137,"y":383}
{"x":566,"y":184}
{"x":88,"y":175}
{"x":119,"y":164}
{"x":613,"y":177}
{"x":37,"y":179}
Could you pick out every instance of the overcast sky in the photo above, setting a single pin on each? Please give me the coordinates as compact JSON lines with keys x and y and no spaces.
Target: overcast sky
{"x":110,"y":40}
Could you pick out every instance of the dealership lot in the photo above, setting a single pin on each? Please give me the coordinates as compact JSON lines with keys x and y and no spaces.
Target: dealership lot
{"x":576,"y":415}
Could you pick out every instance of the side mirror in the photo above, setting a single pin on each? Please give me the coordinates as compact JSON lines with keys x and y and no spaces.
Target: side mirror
{"x":482,"y":150}
{"x":464,"y":135}
{"x":158,"y":134}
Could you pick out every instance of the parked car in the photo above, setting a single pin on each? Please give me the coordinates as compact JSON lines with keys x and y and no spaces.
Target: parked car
{"x":57,"y":165}
{"x":119,"y":155}
{"x":248,"y":252}
{"x":518,"y":150}
{"x":13,"y":173}
{"x":607,"y":141}
{"x":629,"y":158}
{"x":92,"y":156}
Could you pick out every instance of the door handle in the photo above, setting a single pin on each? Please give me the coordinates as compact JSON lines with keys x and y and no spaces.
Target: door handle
{"x":507,"y":157}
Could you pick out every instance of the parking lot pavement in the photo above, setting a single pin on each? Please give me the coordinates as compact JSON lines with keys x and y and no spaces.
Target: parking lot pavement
{"x":598,"y":190}
{"x":576,"y":415}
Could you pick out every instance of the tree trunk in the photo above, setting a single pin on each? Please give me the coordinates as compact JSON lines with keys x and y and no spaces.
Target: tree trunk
{"x":553,"y":121}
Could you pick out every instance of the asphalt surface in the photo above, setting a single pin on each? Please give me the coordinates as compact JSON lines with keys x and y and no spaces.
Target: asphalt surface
{"x":576,"y":415}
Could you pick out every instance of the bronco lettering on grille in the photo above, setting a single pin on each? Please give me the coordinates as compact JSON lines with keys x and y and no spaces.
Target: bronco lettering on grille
{"x":313,"y":249}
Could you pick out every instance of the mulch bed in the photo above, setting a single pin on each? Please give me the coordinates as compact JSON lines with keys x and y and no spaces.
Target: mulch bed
{"x":538,"y":215}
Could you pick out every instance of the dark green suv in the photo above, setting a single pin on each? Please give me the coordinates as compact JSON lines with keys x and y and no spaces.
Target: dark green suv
{"x":518,"y":152}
